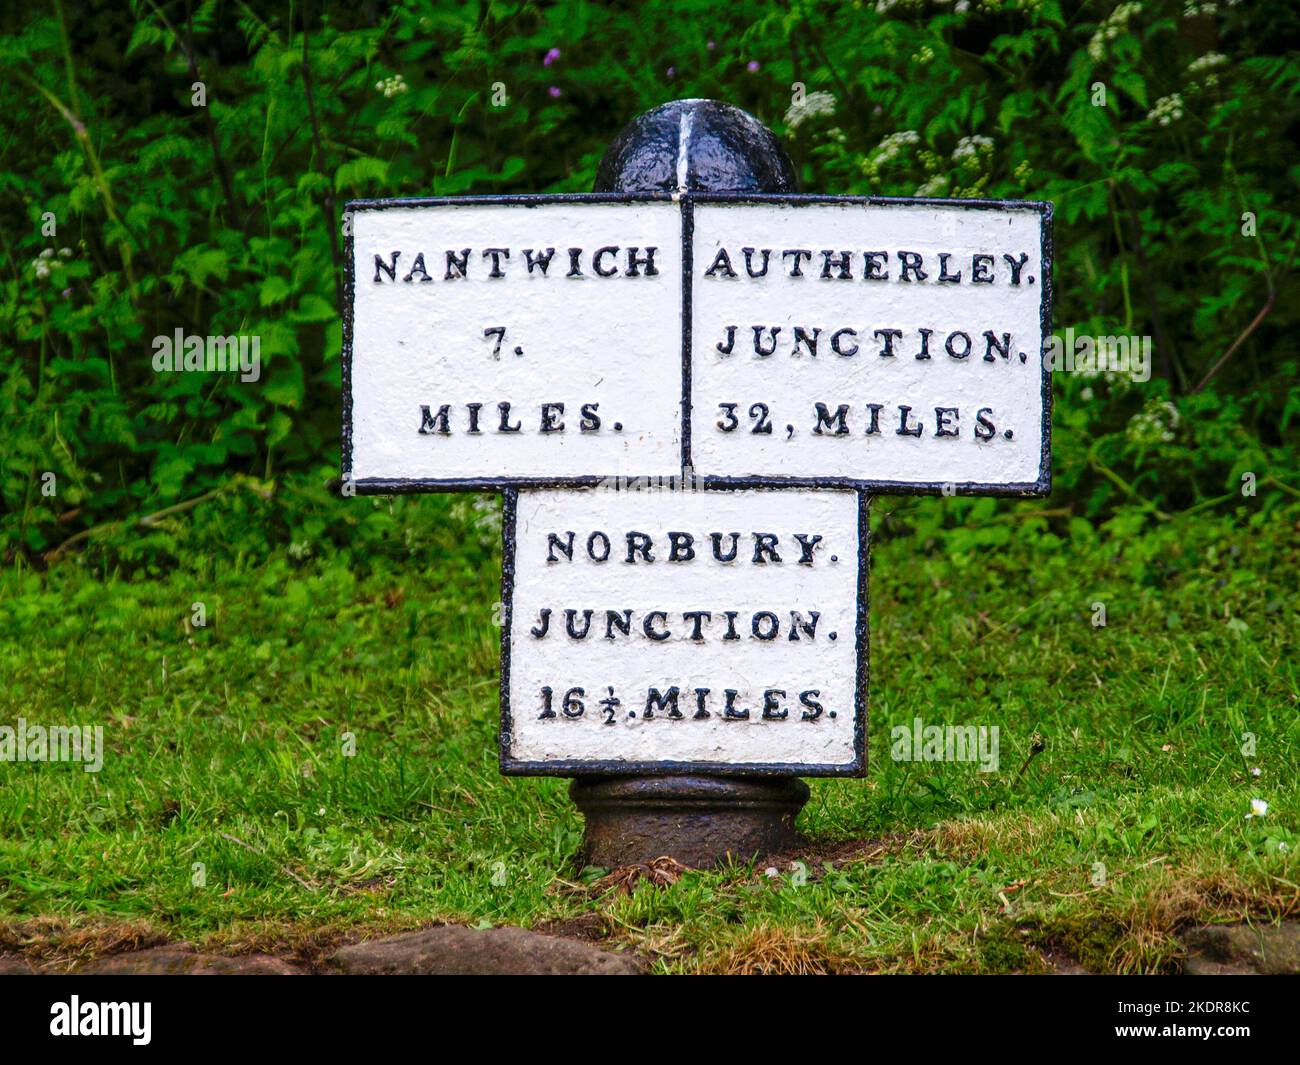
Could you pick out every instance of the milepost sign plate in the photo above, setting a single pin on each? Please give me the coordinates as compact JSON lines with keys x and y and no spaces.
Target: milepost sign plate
{"x":659,"y":631}
{"x":893,"y":345}
{"x":889,"y":345}
{"x":513,"y":340}
{"x":686,"y":400}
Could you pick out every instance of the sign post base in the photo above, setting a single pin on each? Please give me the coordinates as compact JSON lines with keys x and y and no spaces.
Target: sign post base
{"x":699,"y":821}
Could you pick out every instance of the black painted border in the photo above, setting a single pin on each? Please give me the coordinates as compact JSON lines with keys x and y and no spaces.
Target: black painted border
{"x":688,"y":259}
{"x":392,"y":486}
{"x":568,"y":767}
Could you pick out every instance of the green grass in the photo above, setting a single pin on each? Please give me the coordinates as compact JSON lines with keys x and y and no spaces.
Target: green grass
{"x":224,"y":747}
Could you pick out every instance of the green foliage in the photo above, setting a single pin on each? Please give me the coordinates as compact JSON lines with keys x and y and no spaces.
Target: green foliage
{"x":375,"y":616}
{"x":226,"y":218}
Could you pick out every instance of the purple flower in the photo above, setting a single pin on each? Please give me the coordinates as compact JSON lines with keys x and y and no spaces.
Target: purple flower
{"x":551,"y":57}
{"x":711,"y":45}
{"x":554,"y":90}
{"x":67,"y":293}
{"x":672,"y":71}
{"x":752,"y":66}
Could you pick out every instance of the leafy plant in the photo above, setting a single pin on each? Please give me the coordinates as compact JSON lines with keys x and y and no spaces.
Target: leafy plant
{"x":170,"y":166}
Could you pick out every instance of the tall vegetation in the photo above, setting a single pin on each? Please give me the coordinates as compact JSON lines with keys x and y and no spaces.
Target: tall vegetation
{"x":170,"y":164}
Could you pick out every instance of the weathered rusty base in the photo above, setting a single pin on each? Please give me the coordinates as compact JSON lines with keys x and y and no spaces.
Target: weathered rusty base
{"x":699,"y":821}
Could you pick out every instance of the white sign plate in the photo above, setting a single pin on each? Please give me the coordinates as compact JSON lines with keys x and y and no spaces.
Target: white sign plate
{"x":655,"y":631}
{"x":518,"y":340}
{"x":893,"y":345}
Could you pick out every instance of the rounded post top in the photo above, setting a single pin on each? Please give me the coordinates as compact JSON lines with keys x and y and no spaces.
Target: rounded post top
{"x":696,"y":146}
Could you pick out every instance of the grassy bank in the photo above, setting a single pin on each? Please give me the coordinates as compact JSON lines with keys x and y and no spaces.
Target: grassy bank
{"x":318,"y":759}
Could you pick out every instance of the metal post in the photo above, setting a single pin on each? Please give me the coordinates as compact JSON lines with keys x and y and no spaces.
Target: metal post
{"x":700,"y":146}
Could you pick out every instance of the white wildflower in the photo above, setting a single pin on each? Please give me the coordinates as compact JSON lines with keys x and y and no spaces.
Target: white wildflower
{"x":1167,"y":109}
{"x":972,"y":148}
{"x":1207,"y":69}
{"x":812,"y":105}
{"x":1206,"y":62}
{"x":894,"y":143}
{"x":1154,"y":424}
{"x":888,"y":150}
{"x":1110,"y":28}
{"x":1258,"y":808}
{"x":390,"y":87}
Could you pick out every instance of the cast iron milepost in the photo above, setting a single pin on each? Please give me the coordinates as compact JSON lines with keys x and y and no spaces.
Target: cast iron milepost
{"x":964,"y":409}
{"x":710,"y":147}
